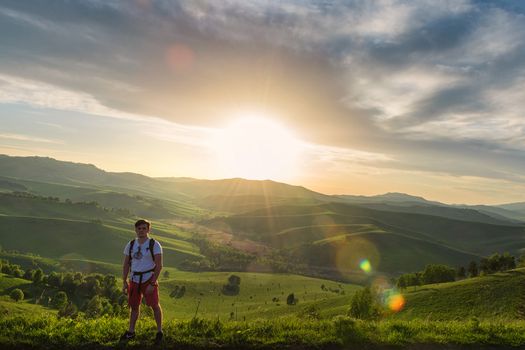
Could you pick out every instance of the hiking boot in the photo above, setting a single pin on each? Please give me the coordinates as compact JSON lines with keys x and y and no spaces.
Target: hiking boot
{"x":158,"y":338}
{"x":127,"y":336}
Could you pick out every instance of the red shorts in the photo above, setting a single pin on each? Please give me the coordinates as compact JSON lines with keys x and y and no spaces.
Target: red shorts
{"x":135,"y":295}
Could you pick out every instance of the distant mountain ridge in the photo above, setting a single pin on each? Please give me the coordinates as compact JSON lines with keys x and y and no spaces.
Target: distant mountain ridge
{"x":234,"y":195}
{"x":390,"y":197}
{"x":396,"y":231}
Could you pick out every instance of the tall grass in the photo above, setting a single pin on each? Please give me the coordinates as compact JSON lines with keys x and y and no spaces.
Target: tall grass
{"x":339,"y":332}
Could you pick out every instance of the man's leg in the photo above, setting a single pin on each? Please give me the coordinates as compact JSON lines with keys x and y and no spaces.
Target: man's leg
{"x":157,"y":312}
{"x":133,"y":317}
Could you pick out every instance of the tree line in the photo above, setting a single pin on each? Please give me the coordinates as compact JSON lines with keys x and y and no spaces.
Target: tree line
{"x":70,"y":292}
{"x":439,"y":273}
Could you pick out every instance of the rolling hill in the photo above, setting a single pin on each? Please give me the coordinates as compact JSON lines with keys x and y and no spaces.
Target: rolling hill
{"x":497,"y":296}
{"x":396,"y":232}
{"x":394,"y":241}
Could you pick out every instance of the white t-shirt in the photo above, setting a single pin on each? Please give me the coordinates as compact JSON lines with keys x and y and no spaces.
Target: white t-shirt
{"x":141,"y":259}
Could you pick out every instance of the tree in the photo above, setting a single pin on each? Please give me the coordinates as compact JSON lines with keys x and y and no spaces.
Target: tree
{"x":54,"y":279}
{"x":436,"y":273}
{"x":232,"y":287}
{"x":363,"y":305}
{"x":16,"y":294}
{"x":59,"y":300}
{"x":28,"y":275}
{"x":473,"y":269}
{"x":234,"y":280}
{"x":38,"y":276}
{"x":401,"y":282}
{"x":16,"y":271}
{"x":497,"y":262}
{"x":69,"y":284}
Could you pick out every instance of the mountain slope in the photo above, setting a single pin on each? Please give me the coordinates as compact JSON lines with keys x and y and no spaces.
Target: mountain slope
{"x":501,"y":295}
{"x":74,"y":239}
{"x":396,"y":241}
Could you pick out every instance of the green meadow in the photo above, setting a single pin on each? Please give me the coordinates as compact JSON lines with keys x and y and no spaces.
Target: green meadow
{"x":297,"y":254}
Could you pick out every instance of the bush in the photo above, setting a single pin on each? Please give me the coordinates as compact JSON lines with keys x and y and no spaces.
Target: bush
{"x":69,"y":310}
{"x":59,"y":300}
{"x":178,"y":292}
{"x":364,"y":305}
{"x":311,"y":312}
{"x":38,"y":276}
{"x":347,"y":330}
{"x":234,"y":280}
{"x":232,"y":287}
{"x":291,"y":300}
{"x":16,"y":294}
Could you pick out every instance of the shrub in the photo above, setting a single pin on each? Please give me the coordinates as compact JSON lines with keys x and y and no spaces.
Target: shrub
{"x":232,"y":287}
{"x":311,"y":312}
{"x":291,"y":299}
{"x":59,"y":300}
{"x":69,"y":310}
{"x":16,"y":294}
{"x":437,"y":273}
{"x":28,"y":275}
{"x":38,"y":276}
{"x":178,"y":292}
{"x":347,"y":330}
{"x":234,"y":280}
{"x":364,"y":305}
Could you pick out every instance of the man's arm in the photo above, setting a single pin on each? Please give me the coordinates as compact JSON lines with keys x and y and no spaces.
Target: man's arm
{"x":158,"y":267}
{"x":125,"y":272}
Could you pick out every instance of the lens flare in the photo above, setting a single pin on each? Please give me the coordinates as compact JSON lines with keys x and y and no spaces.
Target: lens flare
{"x":365,"y":265}
{"x":395,"y":301}
{"x":356,"y":256}
{"x":179,"y":58}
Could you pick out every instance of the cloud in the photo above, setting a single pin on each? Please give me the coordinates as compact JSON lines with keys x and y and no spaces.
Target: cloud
{"x":19,"y":137}
{"x":18,"y":90}
{"x":427,"y":85}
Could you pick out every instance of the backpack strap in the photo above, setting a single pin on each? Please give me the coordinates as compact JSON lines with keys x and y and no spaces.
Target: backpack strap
{"x":151,"y":245}
{"x":131,"y":244}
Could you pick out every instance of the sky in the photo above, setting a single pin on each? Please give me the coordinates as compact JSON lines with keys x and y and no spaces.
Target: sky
{"x":343,"y":97}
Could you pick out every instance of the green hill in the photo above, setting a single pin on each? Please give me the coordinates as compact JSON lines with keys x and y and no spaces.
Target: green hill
{"x":261,"y":295}
{"x":8,"y":307}
{"x":74,"y":239}
{"x":28,"y":205}
{"x":52,"y":171}
{"x":475,"y":237}
{"x":140,"y":205}
{"x":497,"y":296}
{"x":397,"y":241}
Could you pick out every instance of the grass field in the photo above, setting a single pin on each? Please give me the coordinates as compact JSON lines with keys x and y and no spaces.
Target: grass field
{"x":497,"y":296}
{"x":8,"y":307}
{"x":75,"y":239}
{"x":257,"y":290}
{"x":291,"y":332}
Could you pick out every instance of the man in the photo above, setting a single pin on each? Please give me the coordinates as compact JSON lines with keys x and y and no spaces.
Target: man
{"x":143,"y":256}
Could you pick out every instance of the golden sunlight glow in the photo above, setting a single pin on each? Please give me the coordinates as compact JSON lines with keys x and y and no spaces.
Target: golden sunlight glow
{"x":257,"y":148}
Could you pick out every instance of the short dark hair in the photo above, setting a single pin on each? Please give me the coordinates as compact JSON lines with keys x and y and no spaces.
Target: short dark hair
{"x":142,"y":222}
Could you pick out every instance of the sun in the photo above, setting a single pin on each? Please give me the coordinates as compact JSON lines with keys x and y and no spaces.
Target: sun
{"x":257,"y":148}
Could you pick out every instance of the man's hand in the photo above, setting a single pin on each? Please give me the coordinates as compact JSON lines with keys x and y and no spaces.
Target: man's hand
{"x":151,"y":287}
{"x":125,"y":287}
